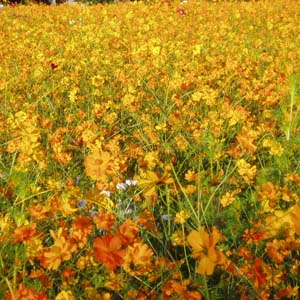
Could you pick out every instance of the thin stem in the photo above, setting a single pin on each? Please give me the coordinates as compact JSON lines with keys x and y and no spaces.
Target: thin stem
{"x":10,"y":288}
{"x":206,"y":292}
{"x":185,"y":253}
{"x":291,"y":112}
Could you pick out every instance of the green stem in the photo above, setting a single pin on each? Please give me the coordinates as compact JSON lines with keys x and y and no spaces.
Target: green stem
{"x":291,"y":112}
{"x":10,"y":288}
{"x":185,"y":253}
{"x":206,"y":292}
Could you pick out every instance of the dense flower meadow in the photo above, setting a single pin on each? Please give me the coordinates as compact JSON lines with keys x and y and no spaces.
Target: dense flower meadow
{"x":150,"y":151}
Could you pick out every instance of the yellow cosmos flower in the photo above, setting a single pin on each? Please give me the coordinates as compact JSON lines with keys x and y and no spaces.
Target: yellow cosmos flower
{"x":182,"y":216}
{"x":275,"y":148}
{"x":247,"y":171}
{"x":228,"y":198}
{"x":295,"y":213}
{"x":151,"y":180}
{"x":65,"y":295}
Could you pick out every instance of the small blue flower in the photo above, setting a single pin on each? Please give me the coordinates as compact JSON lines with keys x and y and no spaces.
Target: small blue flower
{"x":93,"y":213}
{"x":76,"y":182}
{"x":81,"y":203}
{"x":165,"y":217}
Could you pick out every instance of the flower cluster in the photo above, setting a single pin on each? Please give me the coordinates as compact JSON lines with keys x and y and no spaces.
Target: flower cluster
{"x":149,"y":150}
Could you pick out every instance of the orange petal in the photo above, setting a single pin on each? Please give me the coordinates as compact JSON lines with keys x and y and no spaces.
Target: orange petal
{"x":206,"y":266}
{"x":195,"y":241}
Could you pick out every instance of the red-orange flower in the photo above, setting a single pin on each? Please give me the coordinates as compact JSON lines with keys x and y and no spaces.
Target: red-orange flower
{"x":82,"y":227}
{"x":108,"y":250}
{"x":23,"y":293}
{"x":45,"y":280}
{"x":257,"y":273}
{"x":128,"y":231}
{"x":24,"y":233}
{"x":83,"y":223}
{"x":253,"y":236}
{"x":68,"y":272}
{"x":104,"y":220}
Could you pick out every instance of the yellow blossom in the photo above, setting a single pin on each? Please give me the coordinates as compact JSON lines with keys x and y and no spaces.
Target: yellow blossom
{"x":182,"y":216}
{"x":247,"y":171}
{"x":190,"y":175}
{"x":275,"y":148}
{"x":65,"y":295}
{"x":5,"y":223}
{"x":228,"y":198}
{"x":151,"y":159}
{"x":178,"y":238}
{"x":88,"y":136}
{"x":189,"y":189}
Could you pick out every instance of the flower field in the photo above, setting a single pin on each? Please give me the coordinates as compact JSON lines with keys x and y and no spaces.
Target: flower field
{"x":150,"y":150}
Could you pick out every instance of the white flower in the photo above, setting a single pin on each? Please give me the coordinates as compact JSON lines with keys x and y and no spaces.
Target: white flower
{"x":130,"y":182}
{"x":122,"y":186}
{"x":105,"y":192}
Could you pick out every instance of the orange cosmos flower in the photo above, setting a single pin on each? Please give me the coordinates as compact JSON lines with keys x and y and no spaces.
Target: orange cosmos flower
{"x":128,"y":231}
{"x":256,"y":272}
{"x":62,"y":250}
{"x":23,"y":293}
{"x":204,"y":248}
{"x":108,"y":251}
{"x":105,"y":220}
{"x":138,"y":259}
{"x":45,"y":280}
{"x":99,"y":164}
{"x":65,"y":205}
{"x":179,"y":289}
{"x":246,"y":141}
{"x":288,"y":292}
{"x":38,"y":211}
{"x":83,"y":223}
{"x":254,"y":236}
{"x":147,"y":221}
{"x":115,"y":281}
{"x":82,"y":227}
{"x":142,"y":294}
{"x":149,"y":184}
